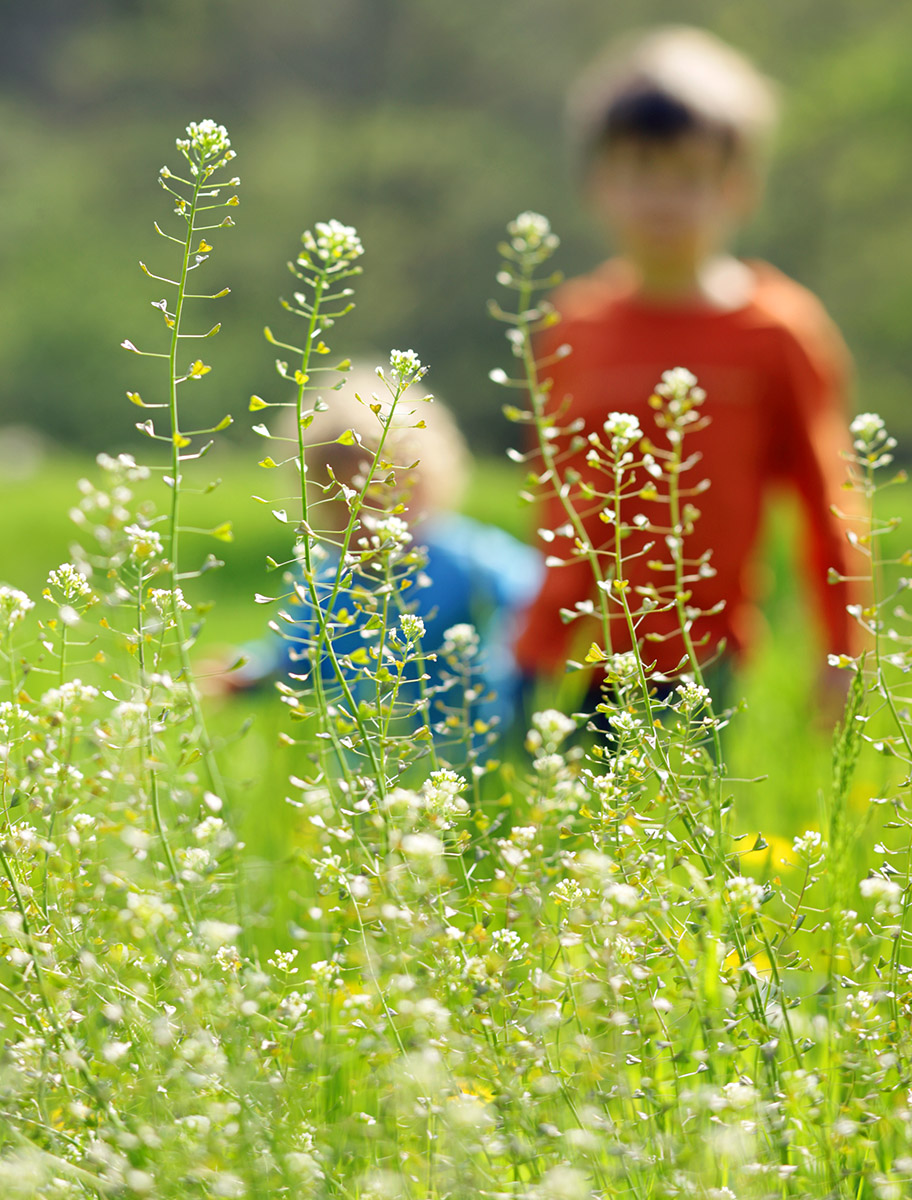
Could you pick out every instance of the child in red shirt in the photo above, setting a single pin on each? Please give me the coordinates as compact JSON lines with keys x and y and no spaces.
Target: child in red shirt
{"x":672,"y":132}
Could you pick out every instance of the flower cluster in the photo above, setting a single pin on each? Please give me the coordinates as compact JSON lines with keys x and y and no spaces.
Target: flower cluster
{"x":332,"y":242}
{"x":406,"y":367}
{"x":623,"y":430}
{"x":144,"y":543}
{"x":70,"y":582}
{"x":531,"y":232}
{"x":411,"y":627}
{"x":872,"y":441}
{"x":204,"y":142}
{"x":14,"y":605}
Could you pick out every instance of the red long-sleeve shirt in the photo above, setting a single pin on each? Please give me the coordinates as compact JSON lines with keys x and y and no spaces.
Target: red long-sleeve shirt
{"x":775,"y":376}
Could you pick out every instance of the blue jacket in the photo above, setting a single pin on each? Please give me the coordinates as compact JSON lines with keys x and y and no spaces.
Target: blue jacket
{"x":475,"y":574}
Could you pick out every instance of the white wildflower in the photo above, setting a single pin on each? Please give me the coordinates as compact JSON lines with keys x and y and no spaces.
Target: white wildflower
{"x":562,"y":1183}
{"x":569,"y":892}
{"x":149,"y":910}
{"x":531,"y":231}
{"x":71,"y":694}
{"x":549,"y":764}
{"x":228,"y":1186}
{"x":866,"y":427}
{"x":622,"y":667}
{"x":885,"y":893}
{"x":842,"y":661}
{"x":623,"y":895}
{"x":625,"y":723}
{"x":283,"y":960}
{"x":402,"y":804}
{"x":390,"y":532}
{"x":63,"y":777}
{"x":23,"y":840}
{"x":163,"y":598}
{"x":677,"y":383}
{"x":872,"y":440}
{"x":422,"y":847}
{"x":745,"y":893}
{"x":333,"y":242}
{"x":218,"y":933}
{"x":205,"y":139}
{"x":326,"y":972}
{"x":461,"y":639}
{"x":13,"y":606}
{"x":329,"y":867}
{"x":144,"y":543}
{"x":294,"y":1006}
{"x":552,"y":727}
{"x":13,"y":719}
{"x":194,"y":859}
{"x":623,"y":429}
{"x":70,"y":582}
{"x":208,"y":829}
{"x":441,"y":796}
{"x":693,"y":695}
{"x":406,"y":366}
{"x":523,"y":835}
{"x":508,"y":944}
{"x":740,"y":1095}
{"x":228,"y":957}
{"x":808,"y":843}
{"x":124,"y":466}
{"x":411,"y":627}
{"x":130,"y":712}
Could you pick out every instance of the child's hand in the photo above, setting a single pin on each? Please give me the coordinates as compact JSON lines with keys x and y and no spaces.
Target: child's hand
{"x":216,"y":675}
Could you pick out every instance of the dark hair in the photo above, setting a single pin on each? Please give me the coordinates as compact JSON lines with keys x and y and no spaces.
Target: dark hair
{"x":647,"y":113}
{"x":665,"y":83}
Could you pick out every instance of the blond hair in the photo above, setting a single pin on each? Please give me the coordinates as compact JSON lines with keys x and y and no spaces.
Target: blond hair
{"x":423,"y":447}
{"x":661,"y":83}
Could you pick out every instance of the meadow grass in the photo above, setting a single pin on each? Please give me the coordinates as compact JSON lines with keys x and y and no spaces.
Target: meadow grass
{"x":778,"y":754}
{"x":777,"y":734}
{"x":323,"y":942}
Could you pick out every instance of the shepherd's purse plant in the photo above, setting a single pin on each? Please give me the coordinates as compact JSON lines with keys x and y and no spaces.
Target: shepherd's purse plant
{"x":562,"y":975}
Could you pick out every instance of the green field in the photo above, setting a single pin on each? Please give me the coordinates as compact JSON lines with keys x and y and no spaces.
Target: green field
{"x":777,"y":740}
{"x":263,"y":973}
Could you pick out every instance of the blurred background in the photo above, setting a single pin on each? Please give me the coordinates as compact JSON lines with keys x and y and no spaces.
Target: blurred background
{"x":427,"y":126}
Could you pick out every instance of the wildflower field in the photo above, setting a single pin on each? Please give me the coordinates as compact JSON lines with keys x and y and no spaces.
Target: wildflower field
{"x":335,"y":939}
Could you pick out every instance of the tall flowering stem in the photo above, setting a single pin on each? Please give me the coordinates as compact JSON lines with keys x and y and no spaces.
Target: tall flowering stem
{"x":328,"y":259}
{"x":876,"y":694}
{"x":345,"y":579}
{"x":612,"y":456}
{"x":622,"y":467}
{"x":531,"y":244}
{"x":199,"y":202}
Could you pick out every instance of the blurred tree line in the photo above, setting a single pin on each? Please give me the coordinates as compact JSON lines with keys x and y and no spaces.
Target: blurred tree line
{"x":426,"y":124}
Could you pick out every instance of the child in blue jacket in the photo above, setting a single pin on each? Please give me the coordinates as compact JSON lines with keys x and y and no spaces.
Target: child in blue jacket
{"x":467,"y":582}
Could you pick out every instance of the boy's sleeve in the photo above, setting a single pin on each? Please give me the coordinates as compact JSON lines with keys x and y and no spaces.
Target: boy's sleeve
{"x":544,"y":641}
{"x":808,"y":447}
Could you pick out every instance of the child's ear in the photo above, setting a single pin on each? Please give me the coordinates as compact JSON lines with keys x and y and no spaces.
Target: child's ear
{"x":743,"y":190}
{"x":598,"y":190}
{"x":595,"y":178}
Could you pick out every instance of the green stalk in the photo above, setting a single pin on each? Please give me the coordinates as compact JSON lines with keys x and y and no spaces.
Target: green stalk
{"x":546,"y":447}
{"x":212,"y":767}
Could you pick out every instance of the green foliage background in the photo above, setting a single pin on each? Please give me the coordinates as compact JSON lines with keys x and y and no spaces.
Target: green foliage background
{"x":426,"y":124}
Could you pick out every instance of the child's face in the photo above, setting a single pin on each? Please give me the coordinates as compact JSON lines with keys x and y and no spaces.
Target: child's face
{"x":669,"y":204}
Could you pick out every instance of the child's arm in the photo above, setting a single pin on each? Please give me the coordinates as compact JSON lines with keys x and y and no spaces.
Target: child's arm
{"x":809,"y":443}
